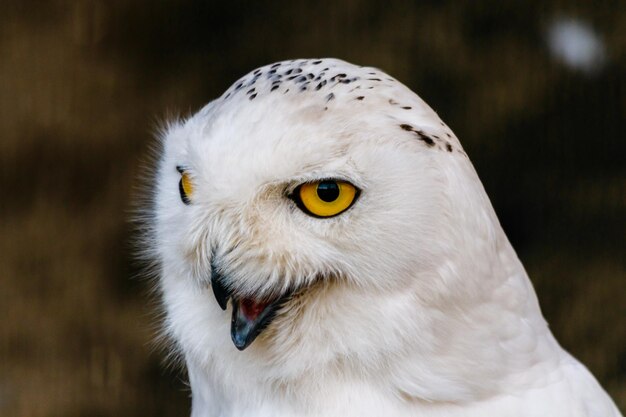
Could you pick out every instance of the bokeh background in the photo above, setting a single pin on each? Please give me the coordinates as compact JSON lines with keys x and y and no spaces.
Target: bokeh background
{"x":535,"y":89}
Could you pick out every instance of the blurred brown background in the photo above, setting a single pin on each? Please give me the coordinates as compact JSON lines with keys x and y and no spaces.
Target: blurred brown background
{"x":535,"y":89}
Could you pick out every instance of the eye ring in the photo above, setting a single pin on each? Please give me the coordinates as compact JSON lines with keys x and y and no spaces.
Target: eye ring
{"x":325,"y":198}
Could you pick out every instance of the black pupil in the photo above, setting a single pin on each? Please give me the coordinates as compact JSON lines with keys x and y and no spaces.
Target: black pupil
{"x":328,"y":191}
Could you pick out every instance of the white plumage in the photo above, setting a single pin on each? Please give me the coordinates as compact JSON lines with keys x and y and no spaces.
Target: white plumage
{"x":411,"y":302}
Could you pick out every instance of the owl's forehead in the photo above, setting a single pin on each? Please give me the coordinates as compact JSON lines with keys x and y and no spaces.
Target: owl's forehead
{"x":302,"y":113}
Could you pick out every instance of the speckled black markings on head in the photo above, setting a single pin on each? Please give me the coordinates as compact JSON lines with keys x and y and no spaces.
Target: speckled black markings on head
{"x":448,"y":147}
{"x":298,"y":74}
{"x":429,"y":141}
{"x":420,"y":135}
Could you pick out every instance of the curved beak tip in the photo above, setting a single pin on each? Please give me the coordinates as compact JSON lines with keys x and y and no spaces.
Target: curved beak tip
{"x":245,"y":327}
{"x":221,"y":293}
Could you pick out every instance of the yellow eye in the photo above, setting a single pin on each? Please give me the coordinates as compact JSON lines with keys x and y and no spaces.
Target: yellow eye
{"x":185,"y":187}
{"x":325,"y":198}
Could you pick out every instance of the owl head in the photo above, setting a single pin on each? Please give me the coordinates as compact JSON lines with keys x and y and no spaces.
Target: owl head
{"x":316,"y":210}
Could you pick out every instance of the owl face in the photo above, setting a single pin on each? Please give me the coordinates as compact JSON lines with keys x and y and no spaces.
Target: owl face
{"x":304,"y":178}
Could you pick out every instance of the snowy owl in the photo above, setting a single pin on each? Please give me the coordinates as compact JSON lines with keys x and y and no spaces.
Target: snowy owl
{"x":325,"y":248}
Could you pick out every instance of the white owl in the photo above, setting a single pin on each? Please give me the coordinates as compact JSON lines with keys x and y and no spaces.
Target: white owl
{"x":325,"y":248}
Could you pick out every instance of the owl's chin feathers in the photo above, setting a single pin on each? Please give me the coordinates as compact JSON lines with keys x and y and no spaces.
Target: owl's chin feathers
{"x":250,"y":316}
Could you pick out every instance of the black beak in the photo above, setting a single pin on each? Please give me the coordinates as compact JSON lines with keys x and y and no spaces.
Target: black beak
{"x":219,"y":290}
{"x":245,"y":327}
{"x":250,"y":317}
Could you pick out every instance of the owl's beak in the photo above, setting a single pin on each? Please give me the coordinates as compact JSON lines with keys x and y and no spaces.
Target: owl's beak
{"x":250,"y":317}
{"x":222,"y":294}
